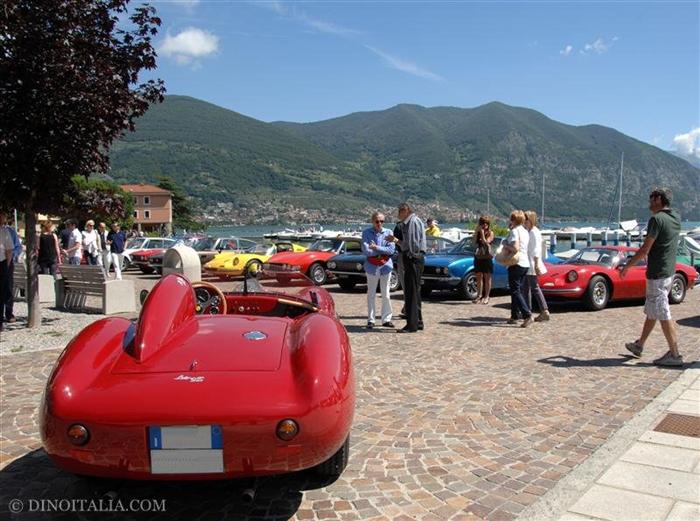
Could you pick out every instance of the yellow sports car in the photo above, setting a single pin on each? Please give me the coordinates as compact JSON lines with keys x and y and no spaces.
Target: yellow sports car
{"x":231,"y":264}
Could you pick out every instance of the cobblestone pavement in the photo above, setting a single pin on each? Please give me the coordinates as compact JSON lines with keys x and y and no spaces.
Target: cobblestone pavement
{"x":471,"y":418}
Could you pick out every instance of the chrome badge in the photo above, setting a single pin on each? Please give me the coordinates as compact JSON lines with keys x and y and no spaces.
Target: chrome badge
{"x":255,"y":335}
{"x":191,"y":379}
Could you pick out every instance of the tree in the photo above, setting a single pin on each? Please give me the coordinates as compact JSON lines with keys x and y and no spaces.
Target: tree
{"x":69,"y":86}
{"x":183,"y":213}
{"x":100,"y":200}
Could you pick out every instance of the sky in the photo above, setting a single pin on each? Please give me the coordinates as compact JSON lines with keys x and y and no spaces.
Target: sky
{"x":630,"y":65}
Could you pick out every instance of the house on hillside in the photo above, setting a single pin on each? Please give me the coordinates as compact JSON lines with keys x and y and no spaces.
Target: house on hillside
{"x":153,"y":208}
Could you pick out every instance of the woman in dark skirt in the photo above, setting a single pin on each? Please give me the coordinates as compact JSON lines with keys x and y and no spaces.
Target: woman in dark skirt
{"x":483,"y":259}
{"x":48,"y":254}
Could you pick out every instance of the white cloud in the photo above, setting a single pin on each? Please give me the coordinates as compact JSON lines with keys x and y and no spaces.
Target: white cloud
{"x":405,"y":66}
{"x":189,"y":45}
{"x":566,"y":50}
{"x":326,"y":27}
{"x":599,"y":46}
{"x":688,"y":144}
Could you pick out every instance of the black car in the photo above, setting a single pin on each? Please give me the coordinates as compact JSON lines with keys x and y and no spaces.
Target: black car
{"x":349,"y":268}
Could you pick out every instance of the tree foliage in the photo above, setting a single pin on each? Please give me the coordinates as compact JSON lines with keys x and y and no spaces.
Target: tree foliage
{"x":100,"y":200}
{"x":183,"y":211}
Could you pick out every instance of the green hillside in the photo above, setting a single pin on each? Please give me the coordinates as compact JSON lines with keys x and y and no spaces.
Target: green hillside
{"x":442,"y":155}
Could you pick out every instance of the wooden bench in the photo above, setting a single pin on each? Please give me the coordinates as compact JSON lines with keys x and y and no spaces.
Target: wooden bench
{"x":79,"y":282}
{"x":47,"y":285}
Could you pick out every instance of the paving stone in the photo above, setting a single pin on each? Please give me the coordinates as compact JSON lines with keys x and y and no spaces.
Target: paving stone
{"x":662,"y":456}
{"x":672,"y":440}
{"x":621,"y":505}
{"x":682,"y":511}
{"x":652,"y":480}
{"x":685,"y":407}
{"x":459,"y":419}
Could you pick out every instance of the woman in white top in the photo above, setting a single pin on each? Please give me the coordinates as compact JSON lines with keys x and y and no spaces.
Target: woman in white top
{"x":517,"y":241}
{"x":537,"y":267}
{"x":91,"y":243}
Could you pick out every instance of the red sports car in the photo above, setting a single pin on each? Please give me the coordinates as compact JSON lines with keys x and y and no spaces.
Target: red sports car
{"x":142,"y":260}
{"x":593,"y":276}
{"x":206,"y":385}
{"x":313,"y":261}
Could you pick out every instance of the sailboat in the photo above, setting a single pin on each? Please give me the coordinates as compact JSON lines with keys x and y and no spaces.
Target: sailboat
{"x":625,"y":226}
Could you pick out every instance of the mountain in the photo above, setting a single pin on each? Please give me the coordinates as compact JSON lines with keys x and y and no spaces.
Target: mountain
{"x":444,"y":157}
{"x":693,"y":160}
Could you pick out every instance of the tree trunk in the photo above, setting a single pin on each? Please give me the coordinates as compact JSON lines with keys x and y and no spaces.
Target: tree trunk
{"x":33,"y":306}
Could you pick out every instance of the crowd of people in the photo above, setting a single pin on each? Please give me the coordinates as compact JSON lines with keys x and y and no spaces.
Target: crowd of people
{"x":522,"y":254}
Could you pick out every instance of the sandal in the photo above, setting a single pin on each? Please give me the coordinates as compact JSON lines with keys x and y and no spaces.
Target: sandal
{"x":485,"y":301}
{"x":476,"y":301}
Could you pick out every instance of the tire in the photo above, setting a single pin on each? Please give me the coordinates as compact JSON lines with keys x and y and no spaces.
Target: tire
{"x":126,"y":264}
{"x":597,"y":294}
{"x":467,"y":286}
{"x":678,"y":289}
{"x":146,"y":270}
{"x":334,"y":466}
{"x":394,"y":281}
{"x":347,"y":284}
{"x":317,"y":273}
{"x":425,"y":291}
{"x":258,"y":265}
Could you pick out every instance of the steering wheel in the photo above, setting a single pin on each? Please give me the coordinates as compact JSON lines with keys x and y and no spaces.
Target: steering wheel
{"x":298,"y":303}
{"x":210,"y":299}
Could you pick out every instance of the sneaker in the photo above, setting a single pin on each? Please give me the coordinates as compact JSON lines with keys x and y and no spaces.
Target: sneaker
{"x":542,"y":317}
{"x":370,"y":325}
{"x":634,"y":348}
{"x":668,"y":360}
{"x":527,"y":322}
{"x":388,"y":324}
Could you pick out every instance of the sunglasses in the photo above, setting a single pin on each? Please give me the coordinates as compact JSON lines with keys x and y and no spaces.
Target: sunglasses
{"x":378,"y":221}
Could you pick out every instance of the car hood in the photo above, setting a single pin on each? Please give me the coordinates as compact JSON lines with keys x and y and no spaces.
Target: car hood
{"x":298,"y":257}
{"x":206,"y":343}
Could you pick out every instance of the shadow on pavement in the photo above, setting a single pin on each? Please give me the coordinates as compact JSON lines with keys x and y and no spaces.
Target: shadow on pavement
{"x":476,"y":322}
{"x":567,"y":361}
{"x":34,"y":477}
{"x":690,"y":321}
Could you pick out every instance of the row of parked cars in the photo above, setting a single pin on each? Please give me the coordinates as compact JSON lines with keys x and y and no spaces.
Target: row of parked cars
{"x":591,"y":276}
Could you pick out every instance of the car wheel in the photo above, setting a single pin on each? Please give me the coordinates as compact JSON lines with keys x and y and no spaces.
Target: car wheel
{"x":346,"y":284}
{"x":394,"y":282}
{"x":597,"y":294}
{"x":146,"y":270}
{"x":334,"y":466}
{"x":467,"y":286}
{"x":125,"y":264}
{"x":254,"y":266}
{"x":317,"y":273}
{"x":677,"y":293}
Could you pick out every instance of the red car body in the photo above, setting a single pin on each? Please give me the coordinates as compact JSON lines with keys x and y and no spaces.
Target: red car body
{"x":142,"y":259}
{"x":593,"y":276}
{"x":176,"y":371}
{"x":312,"y":262}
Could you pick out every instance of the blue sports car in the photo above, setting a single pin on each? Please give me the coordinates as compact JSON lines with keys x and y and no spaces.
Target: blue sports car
{"x":454,"y":270}
{"x":349,"y":268}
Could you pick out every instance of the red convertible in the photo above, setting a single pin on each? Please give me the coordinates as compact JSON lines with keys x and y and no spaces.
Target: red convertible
{"x":593,"y":276}
{"x":206,"y":385}
{"x":313,"y":261}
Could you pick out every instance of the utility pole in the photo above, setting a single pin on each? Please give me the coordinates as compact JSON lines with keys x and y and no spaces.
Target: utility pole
{"x":542,"y":212}
{"x":619,"y":205}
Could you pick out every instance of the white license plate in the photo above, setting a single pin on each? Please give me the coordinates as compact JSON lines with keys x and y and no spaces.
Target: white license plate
{"x":188,"y":449}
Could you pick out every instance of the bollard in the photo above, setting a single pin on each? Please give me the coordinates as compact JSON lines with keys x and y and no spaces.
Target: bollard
{"x":629,"y":239}
{"x":589,"y":240}
{"x":573,"y":241}
{"x":604,"y":241}
{"x":553,"y":244}
{"x":616,"y":240}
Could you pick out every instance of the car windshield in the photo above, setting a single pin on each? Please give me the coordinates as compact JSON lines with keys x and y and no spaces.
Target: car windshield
{"x":263,"y":249}
{"x":205,"y":244}
{"x":463,"y":247}
{"x":326,"y":245}
{"x":602,"y":256}
{"x":133,"y":244}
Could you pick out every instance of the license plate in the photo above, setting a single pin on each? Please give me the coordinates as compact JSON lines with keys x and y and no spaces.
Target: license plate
{"x":187,"y":449}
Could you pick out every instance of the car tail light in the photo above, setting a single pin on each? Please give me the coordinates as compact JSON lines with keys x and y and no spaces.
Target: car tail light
{"x":571,"y":276}
{"x":287,"y":429}
{"x":78,"y":434}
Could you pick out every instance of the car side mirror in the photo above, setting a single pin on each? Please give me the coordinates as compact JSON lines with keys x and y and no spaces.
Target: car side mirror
{"x":143,"y":295}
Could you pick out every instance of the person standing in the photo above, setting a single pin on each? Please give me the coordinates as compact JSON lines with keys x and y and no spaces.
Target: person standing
{"x":432,"y":229}
{"x":413,"y":246}
{"x":660,"y":247}
{"x":116,"y":241}
{"x":378,"y":267}
{"x":537,"y":267}
{"x":105,"y":255}
{"x":90,"y":243}
{"x":74,"y":252}
{"x":483,"y":259}
{"x":48,"y":250}
{"x":10,"y":249}
{"x":516,"y":243}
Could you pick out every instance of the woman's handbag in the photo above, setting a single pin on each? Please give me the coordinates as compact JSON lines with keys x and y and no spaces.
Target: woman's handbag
{"x":483,"y":251}
{"x":506,"y":257}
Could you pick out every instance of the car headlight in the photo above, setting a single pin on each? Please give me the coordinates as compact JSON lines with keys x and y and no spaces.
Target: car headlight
{"x":571,"y":276}
{"x":358,"y":266}
{"x":331,"y":265}
{"x":235,"y":261}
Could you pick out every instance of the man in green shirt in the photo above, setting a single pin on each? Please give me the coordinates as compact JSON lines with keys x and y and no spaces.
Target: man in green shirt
{"x":660,"y":248}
